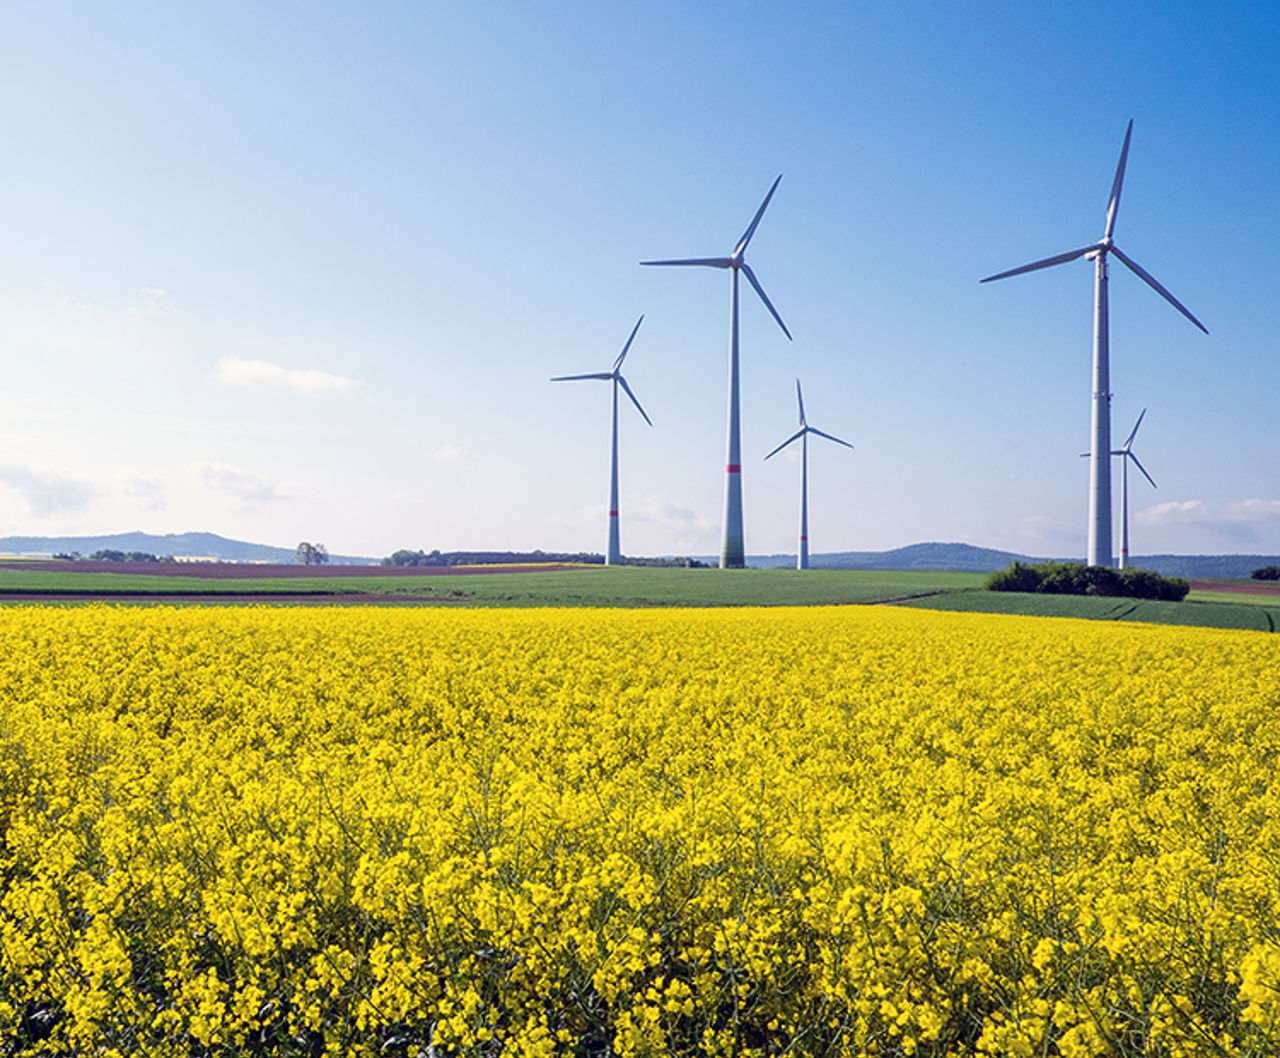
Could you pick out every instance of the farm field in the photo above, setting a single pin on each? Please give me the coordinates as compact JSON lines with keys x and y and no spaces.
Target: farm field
{"x":1205,"y":609}
{"x":746,"y":831}
{"x":531,"y":586}
{"x":1223,"y":604}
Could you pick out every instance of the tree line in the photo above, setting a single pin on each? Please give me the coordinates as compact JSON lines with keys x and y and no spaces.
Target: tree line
{"x":107,"y":554}
{"x":406,"y":557}
{"x":1075,"y":578}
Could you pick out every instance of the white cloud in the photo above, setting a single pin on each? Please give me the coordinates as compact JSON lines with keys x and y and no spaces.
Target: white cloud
{"x":45,"y":491}
{"x":153,"y":302}
{"x":243,"y":485}
{"x":1037,"y":527}
{"x":450,"y":453}
{"x":261,"y":376}
{"x":147,"y":493}
{"x":677,"y":523}
{"x":1239,"y":520}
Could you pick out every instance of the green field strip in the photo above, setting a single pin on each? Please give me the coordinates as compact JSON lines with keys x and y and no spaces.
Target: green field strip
{"x":1243,"y":616}
{"x":638,"y":587}
{"x":117,"y":584}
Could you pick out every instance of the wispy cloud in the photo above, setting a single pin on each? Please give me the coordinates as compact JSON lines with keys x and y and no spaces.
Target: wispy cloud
{"x":261,"y":376}
{"x":243,"y":485}
{"x":154,"y":302}
{"x":45,"y":491}
{"x":1241,"y":521}
{"x":147,"y":493}
{"x":677,"y":522}
{"x":450,"y":453}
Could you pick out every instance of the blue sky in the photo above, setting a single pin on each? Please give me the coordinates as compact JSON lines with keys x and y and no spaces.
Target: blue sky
{"x":303,"y":271}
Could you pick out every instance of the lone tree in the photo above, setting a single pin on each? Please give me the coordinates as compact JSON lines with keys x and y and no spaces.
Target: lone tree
{"x":312,"y":554}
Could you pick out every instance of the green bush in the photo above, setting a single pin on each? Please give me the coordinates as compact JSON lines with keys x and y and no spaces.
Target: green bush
{"x":1075,"y":578}
{"x":1266,"y":573}
{"x":1018,"y":577}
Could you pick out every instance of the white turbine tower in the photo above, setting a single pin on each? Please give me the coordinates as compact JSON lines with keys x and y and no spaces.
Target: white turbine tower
{"x":1099,"y":551}
{"x":1125,"y":451}
{"x":732,"y":547}
{"x":613,"y":554}
{"x":802,"y":435}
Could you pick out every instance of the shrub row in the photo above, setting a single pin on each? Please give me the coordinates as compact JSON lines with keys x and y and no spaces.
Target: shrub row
{"x":1075,"y":578}
{"x":1266,"y":573}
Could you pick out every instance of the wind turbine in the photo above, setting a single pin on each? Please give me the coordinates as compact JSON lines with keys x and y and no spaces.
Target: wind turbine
{"x":732,"y":548}
{"x":802,"y":435}
{"x":1099,"y":551}
{"x":1125,"y":451}
{"x":613,"y":555}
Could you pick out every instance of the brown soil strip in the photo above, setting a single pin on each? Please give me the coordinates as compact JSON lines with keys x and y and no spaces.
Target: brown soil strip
{"x":255,"y":571}
{"x":315,"y":598}
{"x":1242,"y":587}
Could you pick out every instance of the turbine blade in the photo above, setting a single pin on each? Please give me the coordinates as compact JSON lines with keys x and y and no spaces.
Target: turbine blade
{"x":709,"y":262}
{"x":623,"y":355}
{"x":1113,"y":206}
{"x":1143,"y":469}
{"x":751,"y":278}
{"x":1154,"y":284}
{"x":633,"y":399}
{"x":603,"y":376}
{"x":814,"y":429}
{"x":751,"y":229}
{"x":1035,"y":266}
{"x":1134,"y":432}
{"x":800,"y":401}
{"x":794,"y":437}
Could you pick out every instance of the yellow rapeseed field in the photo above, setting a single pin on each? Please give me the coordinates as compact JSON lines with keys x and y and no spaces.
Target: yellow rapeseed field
{"x":829,"y":831}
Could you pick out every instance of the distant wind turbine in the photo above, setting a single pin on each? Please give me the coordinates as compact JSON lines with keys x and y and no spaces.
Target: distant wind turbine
{"x":732,"y":547}
{"x":613,"y":555}
{"x":1099,"y":550}
{"x":802,"y":435}
{"x":1125,"y":451}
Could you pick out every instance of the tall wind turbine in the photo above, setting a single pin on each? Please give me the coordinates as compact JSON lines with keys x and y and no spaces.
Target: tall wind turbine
{"x":613,"y":554}
{"x":1099,"y":552}
{"x":732,"y":548}
{"x":802,"y":435}
{"x":1125,"y":451}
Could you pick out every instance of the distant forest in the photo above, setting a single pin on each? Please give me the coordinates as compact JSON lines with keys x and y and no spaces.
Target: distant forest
{"x":111,"y":555}
{"x":490,"y":558}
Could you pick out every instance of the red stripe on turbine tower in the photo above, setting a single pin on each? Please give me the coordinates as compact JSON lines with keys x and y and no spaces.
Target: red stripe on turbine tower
{"x":734,"y":468}
{"x":613,"y":514}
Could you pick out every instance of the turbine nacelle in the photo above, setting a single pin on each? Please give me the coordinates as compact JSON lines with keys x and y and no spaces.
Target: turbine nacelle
{"x":732,"y":545}
{"x":1107,"y":245}
{"x":737,"y":259}
{"x":1099,"y":541}
{"x":613,"y":375}
{"x":805,"y":429}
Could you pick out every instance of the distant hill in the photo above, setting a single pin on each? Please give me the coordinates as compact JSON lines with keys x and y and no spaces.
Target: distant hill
{"x":179,"y":545}
{"x":932,"y":556}
{"x":967,"y":558}
{"x":962,"y":557}
{"x":1225,"y":566}
{"x":929,"y":556}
